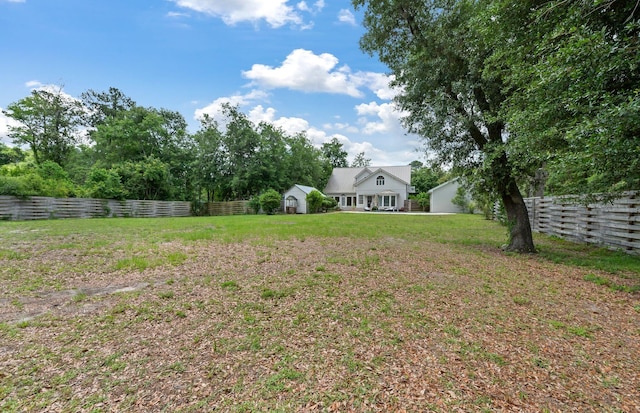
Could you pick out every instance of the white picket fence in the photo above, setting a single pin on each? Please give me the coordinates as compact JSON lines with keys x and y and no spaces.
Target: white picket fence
{"x":614,"y":224}
{"x":39,"y":207}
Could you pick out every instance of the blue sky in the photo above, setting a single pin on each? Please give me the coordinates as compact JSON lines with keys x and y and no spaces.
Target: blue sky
{"x":296,"y":64}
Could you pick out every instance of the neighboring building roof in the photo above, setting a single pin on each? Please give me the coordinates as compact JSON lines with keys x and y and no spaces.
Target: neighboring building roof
{"x":343,"y":180}
{"x":443,"y":185}
{"x":306,"y":189}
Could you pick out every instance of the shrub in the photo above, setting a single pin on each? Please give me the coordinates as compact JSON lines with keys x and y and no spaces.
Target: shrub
{"x":103,"y":183}
{"x":424,"y":200}
{"x":329,"y":203}
{"x":462,"y":200}
{"x":254,"y":204}
{"x":314,"y":201}
{"x":270,"y":201}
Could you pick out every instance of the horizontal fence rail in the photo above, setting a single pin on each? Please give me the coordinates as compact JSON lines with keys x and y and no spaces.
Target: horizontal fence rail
{"x":39,"y":207}
{"x":613,"y":224}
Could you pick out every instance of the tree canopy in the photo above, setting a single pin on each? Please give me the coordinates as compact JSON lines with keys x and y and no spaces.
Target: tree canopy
{"x":500,"y":89}
{"x":437,"y":56}
{"x":130,"y":151}
{"x":48,"y":123}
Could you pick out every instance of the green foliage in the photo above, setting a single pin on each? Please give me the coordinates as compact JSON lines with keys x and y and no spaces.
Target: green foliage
{"x":48,"y":124}
{"x":314,"y":201}
{"x":573,"y":68}
{"x":360,"y":161}
{"x":105,"y":184}
{"x":334,"y":153}
{"x":246,"y":159}
{"x":254,"y":204}
{"x":462,"y":200}
{"x":426,"y":178}
{"x":438,"y":52}
{"x":46,"y":179}
{"x":270,"y":201}
{"x":329,"y":203}
{"x":9,"y":155}
{"x":424,"y":200}
{"x":146,"y":179}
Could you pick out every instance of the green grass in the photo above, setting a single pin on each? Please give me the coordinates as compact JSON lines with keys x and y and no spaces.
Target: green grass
{"x":582,"y":255}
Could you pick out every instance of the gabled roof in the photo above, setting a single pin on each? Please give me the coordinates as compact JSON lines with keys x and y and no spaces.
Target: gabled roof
{"x":306,"y":189}
{"x":376,"y":172}
{"x":343,"y":180}
{"x":449,"y":182}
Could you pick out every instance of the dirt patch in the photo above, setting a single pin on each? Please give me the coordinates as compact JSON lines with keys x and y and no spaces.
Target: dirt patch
{"x":271,"y":326}
{"x":21,"y":309}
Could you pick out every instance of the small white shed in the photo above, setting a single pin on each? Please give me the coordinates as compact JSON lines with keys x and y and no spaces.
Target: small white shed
{"x":295,"y":199}
{"x":442,"y":195}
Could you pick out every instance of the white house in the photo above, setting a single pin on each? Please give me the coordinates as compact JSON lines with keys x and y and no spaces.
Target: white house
{"x":295,"y":199}
{"x":383,"y":187}
{"x":441,"y":196}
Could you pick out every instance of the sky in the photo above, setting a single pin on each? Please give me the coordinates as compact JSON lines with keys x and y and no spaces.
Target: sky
{"x":296,"y":64}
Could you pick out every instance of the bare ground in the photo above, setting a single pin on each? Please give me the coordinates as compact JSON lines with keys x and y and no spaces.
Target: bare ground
{"x":320,"y":325}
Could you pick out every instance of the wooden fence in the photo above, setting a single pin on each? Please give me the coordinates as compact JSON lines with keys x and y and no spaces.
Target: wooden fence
{"x":615,"y":225}
{"x":228,"y":208}
{"x":38,"y":207}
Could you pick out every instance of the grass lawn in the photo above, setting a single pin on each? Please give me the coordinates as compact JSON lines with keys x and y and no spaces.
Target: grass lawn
{"x":331,"y":312}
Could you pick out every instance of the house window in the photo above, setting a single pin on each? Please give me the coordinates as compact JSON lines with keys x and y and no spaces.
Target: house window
{"x":380,"y":180}
{"x":388,"y":201}
{"x":360,"y":199}
{"x":349,"y":201}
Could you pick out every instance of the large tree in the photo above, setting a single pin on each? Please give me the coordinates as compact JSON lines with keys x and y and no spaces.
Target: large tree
{"x":304,"y":162}
{"x":335,"y":154}
{"x":102,"y":106}
{"x":124,"y":132}
{"x":360,"y":161}
{"x":437,"y":55}
{"x":49,"y":123}
{"x":573,"y":75}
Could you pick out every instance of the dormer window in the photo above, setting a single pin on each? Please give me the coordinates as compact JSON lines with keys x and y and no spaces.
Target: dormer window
{"x":380,"y":180}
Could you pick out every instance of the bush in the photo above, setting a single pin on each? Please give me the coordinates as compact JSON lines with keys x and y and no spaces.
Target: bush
{"x":424,"y":200}
{"x":105,"y":184}
{"x":462,"y":200}
{"x":270,"y":201}
{"x":314,"y":201}
{"x":254,"y":204}
{"x":14,"y":186}
{"x":329,"y":203}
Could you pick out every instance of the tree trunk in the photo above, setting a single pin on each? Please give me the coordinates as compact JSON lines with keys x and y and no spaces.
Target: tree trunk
{"x":520,"y":236}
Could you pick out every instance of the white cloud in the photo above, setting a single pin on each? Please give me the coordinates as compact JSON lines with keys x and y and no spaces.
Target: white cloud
{"x":291,"y":126}
{"x":34,"y":84}
{"x":345,"y":16}
{"x":14,"y":1}
{"x":275,"y":12}
{"x":317,"y":136}
{"x":305,"y":71}
{"x":176,"y":15}
{"x":214,"y":109}
{"x":388,"y":118}
{"x":378,"y":83}
{"x":5,"y":123}
{"x":317,"y":6}
{"x":345,"y":127}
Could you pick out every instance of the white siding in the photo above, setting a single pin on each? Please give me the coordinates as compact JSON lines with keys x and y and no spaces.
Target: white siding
{"x":442,"y":195}
{"x":300,"y":196}
{"x":371,"y":188}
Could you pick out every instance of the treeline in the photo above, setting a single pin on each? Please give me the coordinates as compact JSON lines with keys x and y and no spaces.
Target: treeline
{"x":104,"y":145}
